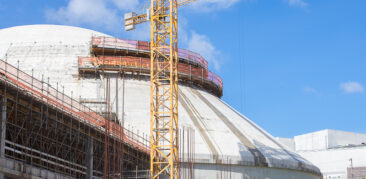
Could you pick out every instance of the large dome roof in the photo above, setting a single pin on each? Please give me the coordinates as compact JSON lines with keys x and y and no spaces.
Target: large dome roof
{"x":44,"y":33}
{"x":221,"y":132}
{"x":47,"y":33}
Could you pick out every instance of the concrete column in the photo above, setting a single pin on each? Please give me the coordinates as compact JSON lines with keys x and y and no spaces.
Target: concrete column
{"x":3,"y":105}
{"x":89,"y":159}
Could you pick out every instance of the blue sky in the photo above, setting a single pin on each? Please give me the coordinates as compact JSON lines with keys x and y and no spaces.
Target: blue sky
{"x":292,"y":66}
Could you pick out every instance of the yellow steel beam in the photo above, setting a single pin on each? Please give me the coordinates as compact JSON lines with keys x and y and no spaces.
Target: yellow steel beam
{"x":164,"y":89}
{"x":184,"y":2}
{"x":164,"y":85}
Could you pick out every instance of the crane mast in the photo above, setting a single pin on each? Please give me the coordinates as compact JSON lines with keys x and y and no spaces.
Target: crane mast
{"x":162,"y":15}
{"x":164,"y":89}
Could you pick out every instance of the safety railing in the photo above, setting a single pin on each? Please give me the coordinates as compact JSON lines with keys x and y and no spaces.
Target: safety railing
{"x":188,"y":70}
{"x":134,"y":45}
{"x":56,"y":98}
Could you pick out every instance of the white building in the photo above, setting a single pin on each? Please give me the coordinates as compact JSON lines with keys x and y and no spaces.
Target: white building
{"x":227,"y":144}
{"x":333,"y":152}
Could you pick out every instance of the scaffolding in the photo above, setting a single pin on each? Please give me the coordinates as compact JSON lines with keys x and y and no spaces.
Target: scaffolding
{"x":47,"y":134}
{"x":131,"y":57}
{"x":121,"y":47}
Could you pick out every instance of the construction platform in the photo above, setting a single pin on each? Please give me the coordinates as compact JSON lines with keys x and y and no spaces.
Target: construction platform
{"x":133,"y":57}
{"x":47,"y":134}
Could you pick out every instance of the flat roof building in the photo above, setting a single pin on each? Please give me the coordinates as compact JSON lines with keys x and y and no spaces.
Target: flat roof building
{"x":338,"y":154}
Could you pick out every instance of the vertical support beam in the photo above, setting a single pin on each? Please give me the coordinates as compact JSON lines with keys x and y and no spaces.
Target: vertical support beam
{"x":3,"y":126}
{"x":89,"y":159}
{"x":164,"y":89}
{"x":3,"y":129}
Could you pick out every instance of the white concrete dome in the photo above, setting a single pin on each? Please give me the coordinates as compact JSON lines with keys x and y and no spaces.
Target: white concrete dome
{"x":221,"y":133}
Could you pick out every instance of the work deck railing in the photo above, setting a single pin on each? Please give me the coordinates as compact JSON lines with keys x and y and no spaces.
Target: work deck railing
{"x":52,"y":96}
{"x":134,"y":45}
{"x":189,"y":71}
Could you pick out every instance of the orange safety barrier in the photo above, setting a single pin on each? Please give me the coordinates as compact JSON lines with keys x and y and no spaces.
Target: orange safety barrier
{"x":112,"y":42}
{"x":44,"y":92}
{"x":144,"y":63}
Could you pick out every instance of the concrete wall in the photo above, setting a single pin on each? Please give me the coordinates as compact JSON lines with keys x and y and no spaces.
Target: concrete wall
{"x":206,"y":171}
{"x":325,"y":139}
{"x":334,"y":162}
{"x":331,"y":151}
{"x":341,"y":138}
{"x":312,"y":141}
{"x":287,"y":142}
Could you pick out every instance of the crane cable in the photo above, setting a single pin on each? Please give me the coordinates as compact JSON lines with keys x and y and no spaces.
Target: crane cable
{"x":242,"y":61}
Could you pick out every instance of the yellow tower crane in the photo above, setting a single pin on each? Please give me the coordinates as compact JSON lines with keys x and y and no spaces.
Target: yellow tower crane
{"x":162,"y":15}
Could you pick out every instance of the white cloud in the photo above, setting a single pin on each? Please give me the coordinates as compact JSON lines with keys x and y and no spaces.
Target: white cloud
{"x":352,"y":87}
{"x":310,"y":90}
{"x":182,"y":31}
{"x":210,"y":5}
{"x":202,"y":45}
{"x":97,"y":13}
{"x":126,"y":4}
{"x":84,"y":12}
{"x":108,"y":14}
{"x":297,"y":3}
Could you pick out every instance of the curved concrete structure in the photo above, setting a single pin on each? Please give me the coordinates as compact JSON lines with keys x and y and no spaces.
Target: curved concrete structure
{"x":226,"y":142}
